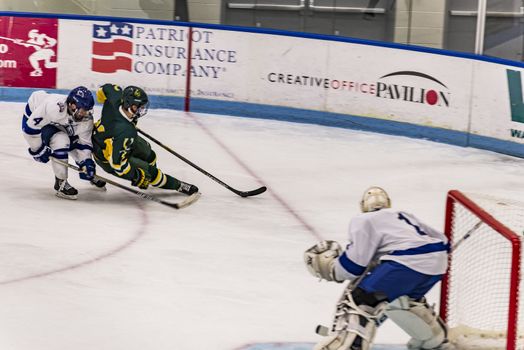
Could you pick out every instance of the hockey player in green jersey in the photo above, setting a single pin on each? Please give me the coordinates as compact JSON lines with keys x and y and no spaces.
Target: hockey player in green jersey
{"x":119,"y":150}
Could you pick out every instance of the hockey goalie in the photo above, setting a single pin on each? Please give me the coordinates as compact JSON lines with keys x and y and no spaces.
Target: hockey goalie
{"x":392,"y":260}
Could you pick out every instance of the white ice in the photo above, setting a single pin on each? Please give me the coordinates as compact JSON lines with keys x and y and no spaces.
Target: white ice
{"x":112,"y":271}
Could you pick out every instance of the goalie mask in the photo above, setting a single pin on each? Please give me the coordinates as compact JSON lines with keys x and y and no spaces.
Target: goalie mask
{"x":375,"y":198}
{"x":135,"y":101}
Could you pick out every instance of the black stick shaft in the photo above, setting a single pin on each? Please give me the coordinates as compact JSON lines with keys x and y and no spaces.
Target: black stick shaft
{"x":212,"y":177}
{"x":123,"y":187}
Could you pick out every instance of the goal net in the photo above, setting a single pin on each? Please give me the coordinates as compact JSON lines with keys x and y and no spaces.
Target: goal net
{"x":480,"y":293}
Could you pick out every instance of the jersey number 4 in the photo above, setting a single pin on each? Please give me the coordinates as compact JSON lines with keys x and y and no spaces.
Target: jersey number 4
{"x":38,"y":120}
{"x":416,"y":227}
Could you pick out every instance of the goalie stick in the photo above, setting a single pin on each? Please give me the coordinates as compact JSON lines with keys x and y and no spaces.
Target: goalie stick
{"x":179,"y":205}
{"x":240,"y":193}
{"x":466,"y":236}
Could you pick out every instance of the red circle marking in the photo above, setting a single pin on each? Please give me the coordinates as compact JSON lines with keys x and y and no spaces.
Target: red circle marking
{"x":431,"y":97}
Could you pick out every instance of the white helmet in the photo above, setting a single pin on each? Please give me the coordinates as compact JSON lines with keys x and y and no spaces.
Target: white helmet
{"x":375,"y":198}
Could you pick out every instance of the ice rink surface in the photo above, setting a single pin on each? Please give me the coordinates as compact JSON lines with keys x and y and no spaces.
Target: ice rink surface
{"x":111,"y":271}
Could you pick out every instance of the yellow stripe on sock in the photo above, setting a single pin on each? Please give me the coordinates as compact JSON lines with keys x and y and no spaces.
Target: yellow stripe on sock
{"x":164,"y":181}
{"x":158,"y":179}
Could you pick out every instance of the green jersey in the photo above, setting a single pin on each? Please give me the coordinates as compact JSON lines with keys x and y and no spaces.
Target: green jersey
{"x":114,"y":134}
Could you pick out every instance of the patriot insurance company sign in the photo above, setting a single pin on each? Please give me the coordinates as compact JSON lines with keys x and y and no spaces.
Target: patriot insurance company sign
{"x":149,"y":55}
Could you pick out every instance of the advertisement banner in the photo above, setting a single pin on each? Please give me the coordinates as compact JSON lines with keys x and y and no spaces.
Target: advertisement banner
{"x":421,"y":88}
{"x":266,"y":69}
{"x":28,"y":52}
{"x":338,"y":77}
{"x":497,"y":104}
{"x":402,"y":85}
{"x":354,"y":79}
{"x":152,"y":56}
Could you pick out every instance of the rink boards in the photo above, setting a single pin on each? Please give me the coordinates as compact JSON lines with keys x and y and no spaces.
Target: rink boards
{"x":440,"y":95}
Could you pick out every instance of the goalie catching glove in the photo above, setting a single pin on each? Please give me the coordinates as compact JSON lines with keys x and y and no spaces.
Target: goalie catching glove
{"x":320,"y":259}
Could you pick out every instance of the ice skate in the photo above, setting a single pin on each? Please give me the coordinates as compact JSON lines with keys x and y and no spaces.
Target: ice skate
{"x":99,"y":184}
{"x":64,"y":189}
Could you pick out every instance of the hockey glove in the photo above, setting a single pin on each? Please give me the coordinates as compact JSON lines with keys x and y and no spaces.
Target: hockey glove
{"x":141,"y":179}
{"x":320,"y":259}
{"x":42,"y":154}
{"x":88,"y":169}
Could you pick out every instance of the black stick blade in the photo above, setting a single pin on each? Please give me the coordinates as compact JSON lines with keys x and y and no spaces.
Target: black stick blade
{"x":252,"y":193}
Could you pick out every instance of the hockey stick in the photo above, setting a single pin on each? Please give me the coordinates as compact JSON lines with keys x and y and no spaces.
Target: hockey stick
{"x":21,"y":42}
{"x":466,"y":236}
{"x":6,"y":38}
{"x":185,"y":203}
{"x":240,"y":193}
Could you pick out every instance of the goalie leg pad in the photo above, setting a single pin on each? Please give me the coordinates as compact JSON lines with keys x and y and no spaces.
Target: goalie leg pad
{"x":420,"y":321}
{"x":354,"y":325}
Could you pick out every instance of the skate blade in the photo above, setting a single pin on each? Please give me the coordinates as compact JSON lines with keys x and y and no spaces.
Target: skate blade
{"x":101,"y":189}
{"x":65,"y":196}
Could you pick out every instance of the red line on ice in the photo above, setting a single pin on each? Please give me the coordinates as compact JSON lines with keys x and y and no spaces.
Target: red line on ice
{"x":279,"y":199}
{"x":139,"y":233}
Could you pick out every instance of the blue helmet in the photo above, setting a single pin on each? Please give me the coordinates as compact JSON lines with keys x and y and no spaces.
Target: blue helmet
{"x":83,"y":99}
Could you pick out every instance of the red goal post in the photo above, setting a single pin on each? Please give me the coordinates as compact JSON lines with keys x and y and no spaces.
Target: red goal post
{"x":480,"y":292}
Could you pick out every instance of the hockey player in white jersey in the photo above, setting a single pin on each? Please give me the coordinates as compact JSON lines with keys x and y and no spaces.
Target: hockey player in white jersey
{"x":58,"y":126}
{"x":392,"y":260}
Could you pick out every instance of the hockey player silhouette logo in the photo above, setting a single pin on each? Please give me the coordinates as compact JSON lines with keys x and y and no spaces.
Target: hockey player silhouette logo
{"x":43,"y":54}
{"x":29,"y":55}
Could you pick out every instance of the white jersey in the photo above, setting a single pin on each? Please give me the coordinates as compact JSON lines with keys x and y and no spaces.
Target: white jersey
{"x":388,"y":234}
{"x":43,"y":109}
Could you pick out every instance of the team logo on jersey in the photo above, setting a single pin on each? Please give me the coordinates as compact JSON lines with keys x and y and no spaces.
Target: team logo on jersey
{"x":61,"y":107}
{"x":112,"y":47}
{"x":516,"y":101}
